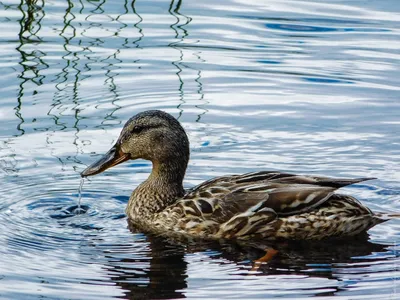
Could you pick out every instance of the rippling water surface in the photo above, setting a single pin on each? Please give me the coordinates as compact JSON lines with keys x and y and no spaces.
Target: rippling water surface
{"x":300,"y":86}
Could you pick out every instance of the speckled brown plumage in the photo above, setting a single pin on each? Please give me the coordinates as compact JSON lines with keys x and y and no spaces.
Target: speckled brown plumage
{"x":260,"y":205}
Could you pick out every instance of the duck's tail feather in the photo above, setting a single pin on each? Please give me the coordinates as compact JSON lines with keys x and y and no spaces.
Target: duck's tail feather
{"x":340,"y":182}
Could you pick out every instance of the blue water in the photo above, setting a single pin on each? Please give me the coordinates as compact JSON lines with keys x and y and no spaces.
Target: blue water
{"x":309,"y":87}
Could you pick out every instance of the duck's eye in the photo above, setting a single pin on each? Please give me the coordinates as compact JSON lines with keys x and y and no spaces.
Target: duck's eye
{"x":137,"y":129}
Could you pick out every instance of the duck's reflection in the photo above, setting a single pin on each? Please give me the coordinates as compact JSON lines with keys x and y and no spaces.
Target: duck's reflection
{"x":158,"y":272}
{"x":162,"y":272}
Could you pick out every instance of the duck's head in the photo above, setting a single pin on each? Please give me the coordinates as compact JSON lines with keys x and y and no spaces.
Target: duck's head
{"x":152,"y":135}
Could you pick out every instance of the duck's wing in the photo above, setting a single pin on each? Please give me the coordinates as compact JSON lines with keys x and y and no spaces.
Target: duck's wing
{"x":262,"y":193}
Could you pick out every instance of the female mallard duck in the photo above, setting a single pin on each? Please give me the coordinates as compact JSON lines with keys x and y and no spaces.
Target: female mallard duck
{"x":266,"y":204}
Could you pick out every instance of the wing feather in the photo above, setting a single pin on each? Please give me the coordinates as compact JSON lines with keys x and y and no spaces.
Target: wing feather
{"x":224,"y":198}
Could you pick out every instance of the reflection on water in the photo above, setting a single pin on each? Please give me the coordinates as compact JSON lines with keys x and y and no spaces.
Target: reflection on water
{"x":307,"y":88}
{"x":164,"y":273}
{"x":31,"y":60}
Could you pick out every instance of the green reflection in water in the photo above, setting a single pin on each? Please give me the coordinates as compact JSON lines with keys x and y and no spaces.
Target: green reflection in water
{"x":31,"y":59}
{"x":174,"y":11}
{"x":181,"y":32}
{"x":137,"y":26}
{"x":79,"y":60}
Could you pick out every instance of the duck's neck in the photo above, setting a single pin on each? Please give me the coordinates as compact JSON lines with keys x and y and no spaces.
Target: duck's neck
{"x":162,"y":188}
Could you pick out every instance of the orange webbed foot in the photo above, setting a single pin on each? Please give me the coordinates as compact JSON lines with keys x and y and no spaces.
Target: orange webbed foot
{"x":269,"y":254}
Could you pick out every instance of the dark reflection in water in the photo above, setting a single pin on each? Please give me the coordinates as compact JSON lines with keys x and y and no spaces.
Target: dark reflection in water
{"x":79,"y":62}
{"x":136,"y":42}
{"x":165,"y":276}
{"x":180,"y":33}
{"x":31,"y":60}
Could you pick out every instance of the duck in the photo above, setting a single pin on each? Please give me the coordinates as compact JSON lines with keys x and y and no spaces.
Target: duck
{"x":263,"y":205}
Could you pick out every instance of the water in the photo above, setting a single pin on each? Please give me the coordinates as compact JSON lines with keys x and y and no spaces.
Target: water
{"x":80,"y":195}
{"x":308,"y":87}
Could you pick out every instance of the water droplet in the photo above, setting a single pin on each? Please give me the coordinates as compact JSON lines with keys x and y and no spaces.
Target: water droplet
{"x":79,"y":210}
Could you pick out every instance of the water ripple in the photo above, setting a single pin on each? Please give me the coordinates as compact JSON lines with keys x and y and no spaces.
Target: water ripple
{"x":297,"y":86}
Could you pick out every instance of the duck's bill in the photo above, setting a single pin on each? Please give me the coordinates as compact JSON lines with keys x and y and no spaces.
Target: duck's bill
{"x":112,"y":158}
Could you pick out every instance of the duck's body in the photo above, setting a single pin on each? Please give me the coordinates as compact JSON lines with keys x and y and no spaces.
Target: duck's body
{"x":261,"y":205}
{"x":267,"y":205}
